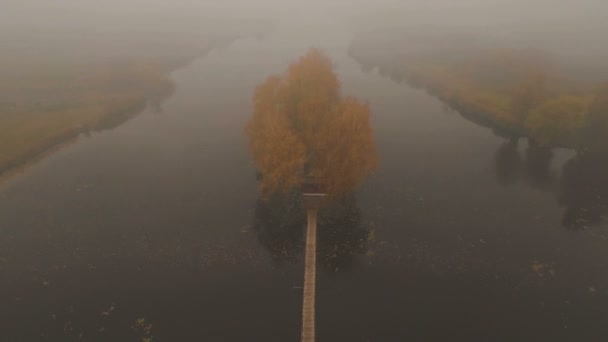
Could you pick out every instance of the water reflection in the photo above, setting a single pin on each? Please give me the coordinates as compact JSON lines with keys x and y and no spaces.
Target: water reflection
{"x":279,"y":224}
{"x":342,"y":235}
{"x":534,"y":167}
{"x":583,"y":190}
{"x":508,"y":162}
{"x":580,"y":185}
{"x":538,"y":166}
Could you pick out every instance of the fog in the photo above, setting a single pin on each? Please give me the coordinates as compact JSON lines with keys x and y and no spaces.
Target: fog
{"x":576,"y":29}
{"x":537,"y":17}
{"x":156,"y":155}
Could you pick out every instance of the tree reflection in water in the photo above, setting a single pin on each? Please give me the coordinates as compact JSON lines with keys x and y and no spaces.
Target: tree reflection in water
{"x":279,"y":223}
{"x":584,"y":190}
{"x":538,"y":166}
{"x":534,"y":168}
{"x":508,"y":162}
{"x":342,"y":235}
{"x":581,"y":187}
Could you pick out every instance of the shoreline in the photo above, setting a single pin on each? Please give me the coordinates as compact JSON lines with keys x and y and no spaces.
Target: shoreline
{"x":8,"y":175}
{"x":110,"y":119}
{"x":499,"y":120}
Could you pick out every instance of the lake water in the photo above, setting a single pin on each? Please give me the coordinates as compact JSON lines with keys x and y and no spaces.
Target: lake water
{"x":154,"y":230}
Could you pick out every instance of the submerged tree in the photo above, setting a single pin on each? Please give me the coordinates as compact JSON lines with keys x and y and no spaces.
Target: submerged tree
{"x":302,"y":126}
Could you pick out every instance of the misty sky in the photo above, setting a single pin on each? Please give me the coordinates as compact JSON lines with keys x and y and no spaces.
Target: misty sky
{"x":575,"y":28}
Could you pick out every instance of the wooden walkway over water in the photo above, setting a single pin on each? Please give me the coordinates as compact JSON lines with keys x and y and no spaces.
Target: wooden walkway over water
{"x":310,"y":278}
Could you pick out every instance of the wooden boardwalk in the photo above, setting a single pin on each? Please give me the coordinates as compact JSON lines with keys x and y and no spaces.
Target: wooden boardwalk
{"x":310,"y":278}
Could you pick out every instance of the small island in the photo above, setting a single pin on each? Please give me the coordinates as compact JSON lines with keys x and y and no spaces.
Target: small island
{"x":309,"y":140}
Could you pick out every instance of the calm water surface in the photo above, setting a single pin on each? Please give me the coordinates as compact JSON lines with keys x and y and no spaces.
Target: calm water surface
{"x":154,"y":229}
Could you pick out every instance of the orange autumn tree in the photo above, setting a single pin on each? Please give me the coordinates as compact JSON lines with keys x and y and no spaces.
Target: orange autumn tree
{"x":302,"y":126}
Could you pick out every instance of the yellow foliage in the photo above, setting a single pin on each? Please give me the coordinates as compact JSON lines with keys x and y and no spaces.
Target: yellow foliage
{"x":279,"y":151}
{"x":302,"y":126}
{"x":558,"y":121}
{"x":517,"y":92}
{"x":346,"y":147}
{"x":45,"y":108}
{"x":528,"y":94}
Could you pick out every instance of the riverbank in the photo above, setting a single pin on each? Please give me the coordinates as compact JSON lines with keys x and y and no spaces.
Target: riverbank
{"x":515,"y":92}
{"x":48,"y":110}
{"x":43,"y":107}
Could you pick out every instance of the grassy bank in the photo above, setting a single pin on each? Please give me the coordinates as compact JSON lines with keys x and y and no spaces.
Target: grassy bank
{"x":516,"y":92}
{"x":45,"y":109}
{"x":56,"y":86}
{"x":61,"y":77}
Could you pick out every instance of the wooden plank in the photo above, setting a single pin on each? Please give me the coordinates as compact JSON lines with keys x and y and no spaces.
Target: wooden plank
{"x":310,"y":277}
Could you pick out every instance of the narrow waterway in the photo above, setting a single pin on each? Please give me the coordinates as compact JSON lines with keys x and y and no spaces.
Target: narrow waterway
{"x":152,"y":229}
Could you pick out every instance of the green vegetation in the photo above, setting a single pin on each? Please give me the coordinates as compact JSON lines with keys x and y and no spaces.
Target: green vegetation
{"x":518,"y":93}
